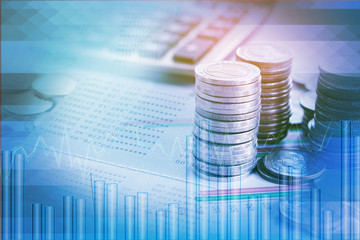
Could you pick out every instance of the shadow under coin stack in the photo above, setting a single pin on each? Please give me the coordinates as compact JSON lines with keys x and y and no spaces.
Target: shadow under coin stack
{"x":226,"y":118}
{"x":275,"y":65}
{"x":338,"y":100}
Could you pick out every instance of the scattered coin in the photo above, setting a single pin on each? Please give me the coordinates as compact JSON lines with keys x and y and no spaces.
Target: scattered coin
{"x":27,"y":103}
{"x":293,"y":164}
{"x":53,"y":85}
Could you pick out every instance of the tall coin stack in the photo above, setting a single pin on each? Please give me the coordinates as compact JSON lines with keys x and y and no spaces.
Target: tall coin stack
{"x":338,"y":100}
{"x":275,"y":65}
{"x":227,"y":116}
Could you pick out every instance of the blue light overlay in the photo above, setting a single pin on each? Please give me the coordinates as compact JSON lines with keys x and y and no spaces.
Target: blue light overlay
{"x":139,"y":120}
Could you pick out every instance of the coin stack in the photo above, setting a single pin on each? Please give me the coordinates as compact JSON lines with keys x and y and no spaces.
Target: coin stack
{"x":227,"y":116}
{"x":338,"y":100}
{"x":275,"y":65}
{"x":289,"y":167}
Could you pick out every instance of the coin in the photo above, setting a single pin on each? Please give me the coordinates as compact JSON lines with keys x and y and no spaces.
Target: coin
{"x":276,"y":100}
{"x":282,"y":110}
{"x":242,"y":99}
{"x":235,"y":111}
{"x":276,"y":90}
{"x":202,"y":103}
{"x":273,"y":133}
{"x":227,"y":117}
{"x":224,"y":160}
{"x":274,"y":120}
{"x":272,"y":139}
{"x":273,"y":71}
{"x":275,"y":77}
{"x":332,"y":115}
{"x":207,"y":149}
{"x":265,"y":55}
{"x":227,"y":73}
{"x":343,"y":114}
{"x":294,"y":164}
{"x":233,"y":138}
{"x":264,"y":174}
{"x":340,"y":84}
{"x":307,"y":101}
{"x":273,"y":107}
{"x":276,"y":93}
{"x":226,"y":127}
{"x":273,"y":115}
{"x":273,"y":85}
{"x":27,"y":103}
{"x":350,"y":105}
{"x":216,"y":178}
{"x":337,"y":93}
{"x":228,"y":91}
{"x":341,"y":71}
{"x":263,"y":127}
{"x":333,"y":128}
{"x":54,"y":85}
{"x":226,"y":170}
{"x":226,"y":148}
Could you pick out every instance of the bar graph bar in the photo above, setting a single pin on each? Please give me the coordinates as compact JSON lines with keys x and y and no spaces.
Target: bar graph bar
{"x":222,"y":217}
{"x":328,"y":225}
{"x":49,"y":223}
{"x":36,"y":221}
{"x":356,"y":216}
{"x":6,"y":195}
{"x":284,"y":223}
{"x":99,"y":210}
{"x":253,"y":218}
{"x":234,"y":210}
{"x":112,"y":211}
{"x":265,"y":213}
{"x":203,"y":213}
{"x":81,"y":219}
{"x":315,"y":213}
{"x":129,"y":217}
{"x":235,"y":219}
{"x":296,"y":212}
{"x":19,"y":170}
{"x":203,"y":185}
{"x":68,"y":202}
{"x":345,"y":179}
{"x":173,"y":210}
{"x":191,"y":213}
{"x":142,"y":216}
{"x":160,"y":225}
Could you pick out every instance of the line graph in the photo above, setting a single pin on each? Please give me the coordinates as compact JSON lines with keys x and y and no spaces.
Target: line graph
{"x":170,"y":151}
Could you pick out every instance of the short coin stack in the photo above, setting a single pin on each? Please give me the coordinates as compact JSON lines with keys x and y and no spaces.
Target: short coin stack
{"x":290,"y":167}
{"x":226,"y":118}
{"x":275,"y":65}
{"x":338,"y":99}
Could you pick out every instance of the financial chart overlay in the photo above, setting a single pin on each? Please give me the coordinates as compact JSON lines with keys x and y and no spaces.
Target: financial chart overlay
{"x":180,"y":120}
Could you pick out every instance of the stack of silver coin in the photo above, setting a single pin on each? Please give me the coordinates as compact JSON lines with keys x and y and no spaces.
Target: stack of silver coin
{"x":338,"y":100}
{"x":227,"y":116}
{"x":275,"y":65}
{"x":290,"y":167}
